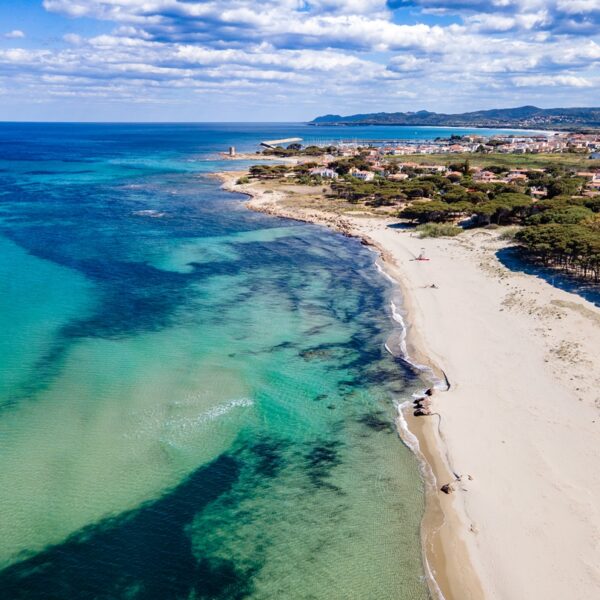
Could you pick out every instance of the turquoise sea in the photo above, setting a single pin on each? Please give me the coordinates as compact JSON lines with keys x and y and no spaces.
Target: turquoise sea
{"x":196,"y":400}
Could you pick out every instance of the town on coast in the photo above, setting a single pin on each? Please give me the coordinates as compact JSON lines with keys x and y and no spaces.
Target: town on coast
{"x":505,"y":309}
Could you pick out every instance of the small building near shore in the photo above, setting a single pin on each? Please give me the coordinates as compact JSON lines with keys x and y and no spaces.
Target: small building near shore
{"x":323,"y":172}
{"x":516,"y":176}
{"x":485,"y":176}
{"x":362,"y":175}
{"x":431,"y":169}
{"x":538,"y":193}
{"x":589,"y":175}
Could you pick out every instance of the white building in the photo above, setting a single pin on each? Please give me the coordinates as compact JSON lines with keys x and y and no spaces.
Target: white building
{"x":362,"y":175}
{"x":324,"y":172}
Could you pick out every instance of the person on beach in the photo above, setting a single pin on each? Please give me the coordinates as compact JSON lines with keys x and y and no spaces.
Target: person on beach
{"x":422,"y":404}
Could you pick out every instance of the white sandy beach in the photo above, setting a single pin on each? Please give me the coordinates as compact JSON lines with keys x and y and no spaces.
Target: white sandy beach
{"x":522,"y":416}
{"x":521,"y":422}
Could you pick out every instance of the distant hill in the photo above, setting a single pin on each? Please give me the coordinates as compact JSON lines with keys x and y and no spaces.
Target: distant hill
{"x":521,"y":117}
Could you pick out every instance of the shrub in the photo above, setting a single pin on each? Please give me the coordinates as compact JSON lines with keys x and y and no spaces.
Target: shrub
{"x":509,"y":234}
{"x":243,"y":180}
{"x":438,"y":230}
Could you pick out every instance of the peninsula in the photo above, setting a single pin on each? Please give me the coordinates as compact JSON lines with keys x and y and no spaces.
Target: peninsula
{"x":520,"y":117}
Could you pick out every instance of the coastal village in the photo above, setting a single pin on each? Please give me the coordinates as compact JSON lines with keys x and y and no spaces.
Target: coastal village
{"x":390,"y":160}
{"x":534,"y":143}
{"x":503,"y":144}
{"x":404,"y":170}
{"x":545,"y":187}
{"x":370,"y":163}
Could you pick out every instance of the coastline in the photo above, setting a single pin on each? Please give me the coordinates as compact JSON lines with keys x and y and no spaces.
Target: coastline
{"x":446,"y":559}
{"x":509,"y":405}
{"x":461,"y":127}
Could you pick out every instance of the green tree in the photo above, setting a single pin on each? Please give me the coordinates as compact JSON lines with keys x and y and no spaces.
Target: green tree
{"x":565,"y":186}
{"x":562,"y":214}
{"x":428,"y":212}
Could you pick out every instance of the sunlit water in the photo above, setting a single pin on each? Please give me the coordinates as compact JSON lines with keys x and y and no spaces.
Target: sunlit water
{"x":196,"y":399}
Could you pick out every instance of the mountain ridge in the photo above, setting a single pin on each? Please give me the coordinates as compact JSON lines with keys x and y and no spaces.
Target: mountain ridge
{"x":519,"y":117}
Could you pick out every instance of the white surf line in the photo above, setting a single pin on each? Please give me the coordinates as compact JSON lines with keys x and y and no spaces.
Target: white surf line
{"x":410,"y":440}
{"x":407,"y":437}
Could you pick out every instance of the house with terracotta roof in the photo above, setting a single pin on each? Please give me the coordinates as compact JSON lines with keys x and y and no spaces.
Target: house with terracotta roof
{"x":516,"y":176}
{"x":362,"y":175}
{"x":485,"y":176}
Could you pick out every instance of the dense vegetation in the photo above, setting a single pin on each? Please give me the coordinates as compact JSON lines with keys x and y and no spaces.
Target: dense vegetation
{"x":561,"y":229}
{"x":573,"y":247}
{"x":299,"y":150}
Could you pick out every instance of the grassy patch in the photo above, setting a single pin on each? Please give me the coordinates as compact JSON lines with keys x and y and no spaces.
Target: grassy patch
{"x":438,"y":230}
{"x":509,"y":234}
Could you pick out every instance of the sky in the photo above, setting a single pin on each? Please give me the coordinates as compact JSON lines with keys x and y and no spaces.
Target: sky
{"x":291,"y":60}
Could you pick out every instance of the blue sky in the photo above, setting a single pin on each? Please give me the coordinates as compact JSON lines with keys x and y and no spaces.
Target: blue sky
{"x":290,"y":60}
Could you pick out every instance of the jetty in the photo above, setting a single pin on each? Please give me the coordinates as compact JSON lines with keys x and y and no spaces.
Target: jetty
{"x":272,"y":144}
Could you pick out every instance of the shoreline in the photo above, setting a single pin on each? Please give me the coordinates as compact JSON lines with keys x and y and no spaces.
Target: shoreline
{"x":473,"y":544}
{"x":255,"y":156}
{"x":442,"y":551}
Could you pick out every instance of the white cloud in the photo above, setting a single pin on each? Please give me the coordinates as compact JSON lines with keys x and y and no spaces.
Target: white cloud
{"x":14,"y":34}
{"x":578,"y":6}
{"x":553,"y":81}
{"x":73,"y":38}
{"x":348,"y":50}
{"x":408,"y":63}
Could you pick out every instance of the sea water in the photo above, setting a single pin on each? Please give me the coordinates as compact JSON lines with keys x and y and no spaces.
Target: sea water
{"x":196,"y":401}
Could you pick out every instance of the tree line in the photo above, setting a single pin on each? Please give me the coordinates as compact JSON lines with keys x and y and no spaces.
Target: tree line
{"x":562,"y":229}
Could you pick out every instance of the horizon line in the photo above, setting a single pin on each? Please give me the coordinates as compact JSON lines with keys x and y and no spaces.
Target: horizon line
{"x":45,"y":122}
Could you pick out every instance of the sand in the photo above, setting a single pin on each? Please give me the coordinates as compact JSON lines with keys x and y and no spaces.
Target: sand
{"x":520,"y":424}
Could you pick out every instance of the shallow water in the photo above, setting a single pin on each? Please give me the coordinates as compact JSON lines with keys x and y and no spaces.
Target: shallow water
{"x":196,"y":400}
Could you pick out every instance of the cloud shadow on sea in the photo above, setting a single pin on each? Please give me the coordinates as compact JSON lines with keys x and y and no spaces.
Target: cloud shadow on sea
{"x":145,"y":554}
